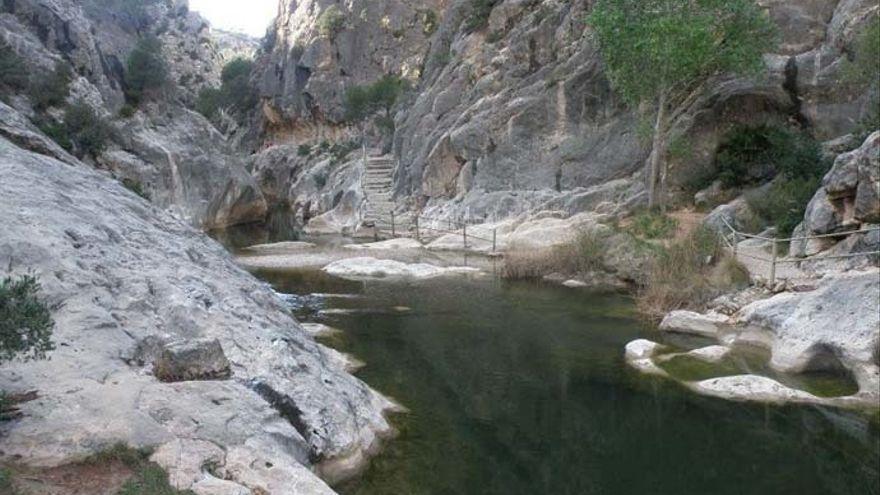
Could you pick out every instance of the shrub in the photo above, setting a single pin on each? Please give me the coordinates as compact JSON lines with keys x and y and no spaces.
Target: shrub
{"x":127,"y":111}
{"x":146,"y":69}
{"x":364,"y":101}
{"x":13,"y":71}
{"x":304,"y":150}
{"x":86,"y":130}
{"x":784,"y":205}
{"x":51,"y":90}
{"x":653,"y":225}
{"x":331,"y":22}
{"x":583,"y":254}
{"x":56,"y":132}
{"x":148,"y":479}
{"x":752,"y":155}
{"x":136,"y":187}
{"x":478,"y":16}
{"x":687,"y":274}
{"x":25,"y":322}
{"x":235,"y":95}
{"x":429,"y":21}
{"x":6,"y":482}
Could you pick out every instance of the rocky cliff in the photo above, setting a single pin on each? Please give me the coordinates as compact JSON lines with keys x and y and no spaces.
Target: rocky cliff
{"x":511,"y":110}
{"x":142,"y":302}
{"x":171,"y":153}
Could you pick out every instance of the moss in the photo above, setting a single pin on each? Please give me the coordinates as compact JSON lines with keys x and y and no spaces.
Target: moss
{"x":691,"y":369}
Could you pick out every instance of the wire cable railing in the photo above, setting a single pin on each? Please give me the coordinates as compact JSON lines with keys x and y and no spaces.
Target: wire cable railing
{"x":775,"y":259}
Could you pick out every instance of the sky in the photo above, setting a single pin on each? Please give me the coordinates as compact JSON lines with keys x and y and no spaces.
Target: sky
{"x":246,"y":16}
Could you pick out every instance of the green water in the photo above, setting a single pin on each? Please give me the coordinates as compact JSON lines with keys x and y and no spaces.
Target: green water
{"x":522,"y":389}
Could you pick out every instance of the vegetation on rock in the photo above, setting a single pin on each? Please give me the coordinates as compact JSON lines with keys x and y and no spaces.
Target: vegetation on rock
{"x":25,"y":322}
{"x":82,"y":131}
{"x":478,"y":16}
{"x":863,"y":69}
{"x":584,"y":254}
{"x":146,"y":70}
{"x":13,"y":72}
{"x":362,"y":102}
{"x":652,"y":225}
{"x":331,"y":22}
{"x":235,"y":96}
{"x":688,"y":274}
{"x":658,"y":51}
{"x":51,"y":90}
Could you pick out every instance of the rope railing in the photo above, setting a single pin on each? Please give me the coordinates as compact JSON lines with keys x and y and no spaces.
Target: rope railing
{"x":456,"y":228}
{"x":775,"y":260}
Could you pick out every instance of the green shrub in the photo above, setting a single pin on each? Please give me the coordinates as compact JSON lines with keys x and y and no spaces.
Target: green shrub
{"x":6,"y":486}
{"x":235,"y":95}
{"x":364,"y":101}
{"x":652,"y":225}
{"x":478,"y":16}
{"x":86,"y":130}
{"x":127,"y":111}
{"x":136,"y":187}
{"x":25,"y":321}
{"x":56,"y":132}
{"x":13,"y":71}
{"x":429,"y":21}
{"x":784,"y":205}
{"x":584,"y":254}
{"x":304,"y":150}
{"x":753,"y":155}
{"x":146,"y":69}
{"x":51,"y":90}
{"x":331,"y":22}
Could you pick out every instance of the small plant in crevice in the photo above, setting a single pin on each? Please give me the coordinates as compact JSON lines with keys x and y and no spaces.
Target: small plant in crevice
{"x":26,"y":323}
{"x":136,"y":187}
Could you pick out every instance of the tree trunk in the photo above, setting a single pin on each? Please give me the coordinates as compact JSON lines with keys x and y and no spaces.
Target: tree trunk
{"x":655,"y":170}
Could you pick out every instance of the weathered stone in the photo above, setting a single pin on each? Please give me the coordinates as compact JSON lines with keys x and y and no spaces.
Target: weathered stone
{"x":358,"y":268}
{"x":694,"y":323}
{"x":192,"y":360}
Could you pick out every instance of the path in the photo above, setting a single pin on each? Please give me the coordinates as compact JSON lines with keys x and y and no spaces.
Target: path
{"x":377,"y":183}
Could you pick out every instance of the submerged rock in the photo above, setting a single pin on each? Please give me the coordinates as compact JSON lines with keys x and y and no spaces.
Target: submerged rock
{"x":753,"y":388}
{"x":708,"y":325}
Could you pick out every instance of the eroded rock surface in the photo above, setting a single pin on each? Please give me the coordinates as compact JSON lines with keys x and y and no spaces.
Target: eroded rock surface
{"x":116,"y":270}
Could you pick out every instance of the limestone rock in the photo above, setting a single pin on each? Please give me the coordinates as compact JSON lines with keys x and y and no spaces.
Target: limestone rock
{"x":710,"y":325}
{"x":117,"y":270}
{"x":753,"y":388}
{"x":192,"y":360}
{"x":377,"y":268}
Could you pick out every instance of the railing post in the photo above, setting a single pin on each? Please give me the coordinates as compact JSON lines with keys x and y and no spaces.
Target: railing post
{"x":773,"y":264}
{"x":494,"y":239}
{"x":393,"y":231}
{"x":418,"y":238}
{"x":464,"y":233}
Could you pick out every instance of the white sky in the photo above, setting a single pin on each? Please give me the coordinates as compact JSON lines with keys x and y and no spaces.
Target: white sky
{"x":245,"y":16}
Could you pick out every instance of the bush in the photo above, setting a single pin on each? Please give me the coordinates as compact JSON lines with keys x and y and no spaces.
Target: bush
{"x":25,"y":322}
{"x":478,"y":17}
{"x":86,"y":131}
{"x":235,"y":95}
{"x":136,"y":187}
{"x":652,"y":225}
{"x":51,"y":90}
{"x":784,"y":205}
{"x":331,"y":22}
{"x":753,"y":155}
{"x":13,"y":71}
{"x":429,"y":21}
{"x":127,"y":111}
{"x":146,"y":70}
{"x":584,"y":254}
{"x":364,"y":101}
{"x":688,"y":274}
{"x":304,"y":150}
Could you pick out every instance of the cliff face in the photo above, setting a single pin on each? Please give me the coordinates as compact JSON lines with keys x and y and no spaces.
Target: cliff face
{"x":172,"y":153}
{"x":513,"y":112}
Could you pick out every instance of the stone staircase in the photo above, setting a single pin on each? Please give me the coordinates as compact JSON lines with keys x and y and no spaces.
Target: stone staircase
{"x":377,"y":185}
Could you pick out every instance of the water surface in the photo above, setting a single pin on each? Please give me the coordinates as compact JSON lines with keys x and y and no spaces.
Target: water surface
{"x":522,"y":389}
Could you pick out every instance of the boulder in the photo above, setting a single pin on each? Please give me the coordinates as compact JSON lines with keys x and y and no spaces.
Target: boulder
{"x":705,"y":325}
{"x":359,"y":268}
{"x":753,"y":388}
{"x":192,"y":360}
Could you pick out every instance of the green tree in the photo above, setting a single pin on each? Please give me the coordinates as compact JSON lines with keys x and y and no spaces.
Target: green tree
{"x":25,"y":322}
{"x":86,"y":130}
{"x":236,"y":93}
{"x":331,"y":22}
{"x":146,"y":70}
{"x":361,"y":102}
{"x":656,"y":51}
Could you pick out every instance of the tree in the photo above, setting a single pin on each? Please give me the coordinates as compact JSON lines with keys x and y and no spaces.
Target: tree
{"x":146,"y":70}
{"x":236,"y":94}
{"x":656,"y":51}
{"x":13,"y":72}
{"x":25,"y":322}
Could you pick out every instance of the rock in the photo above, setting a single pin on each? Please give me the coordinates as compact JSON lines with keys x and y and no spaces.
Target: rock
{"x":214,"y":486}
{"x":640,"y":353}
{"x":710,"y":197}
{"x":319,"y":329}
{"x":710,"y":325}
{"x":279,"y":248}
{"x":575,"y":284}
{"x":836,"y":325}
{"x":753,"y":388}
{"x":710,"y":354}
{"x":401,"y":243}
{"x":187,"y":460}
{"x":192,"y":360}
{"x":116,"y":270}
{"x":547,"y":233}
{"x":736,"y":214}
{"x":357,"y":268}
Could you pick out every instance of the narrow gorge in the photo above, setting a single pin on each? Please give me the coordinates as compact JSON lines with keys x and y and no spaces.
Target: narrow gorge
{"x":440,"y":246}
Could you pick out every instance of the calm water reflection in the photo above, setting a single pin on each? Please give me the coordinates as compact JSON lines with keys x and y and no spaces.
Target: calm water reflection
{"x":522,"y":389}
